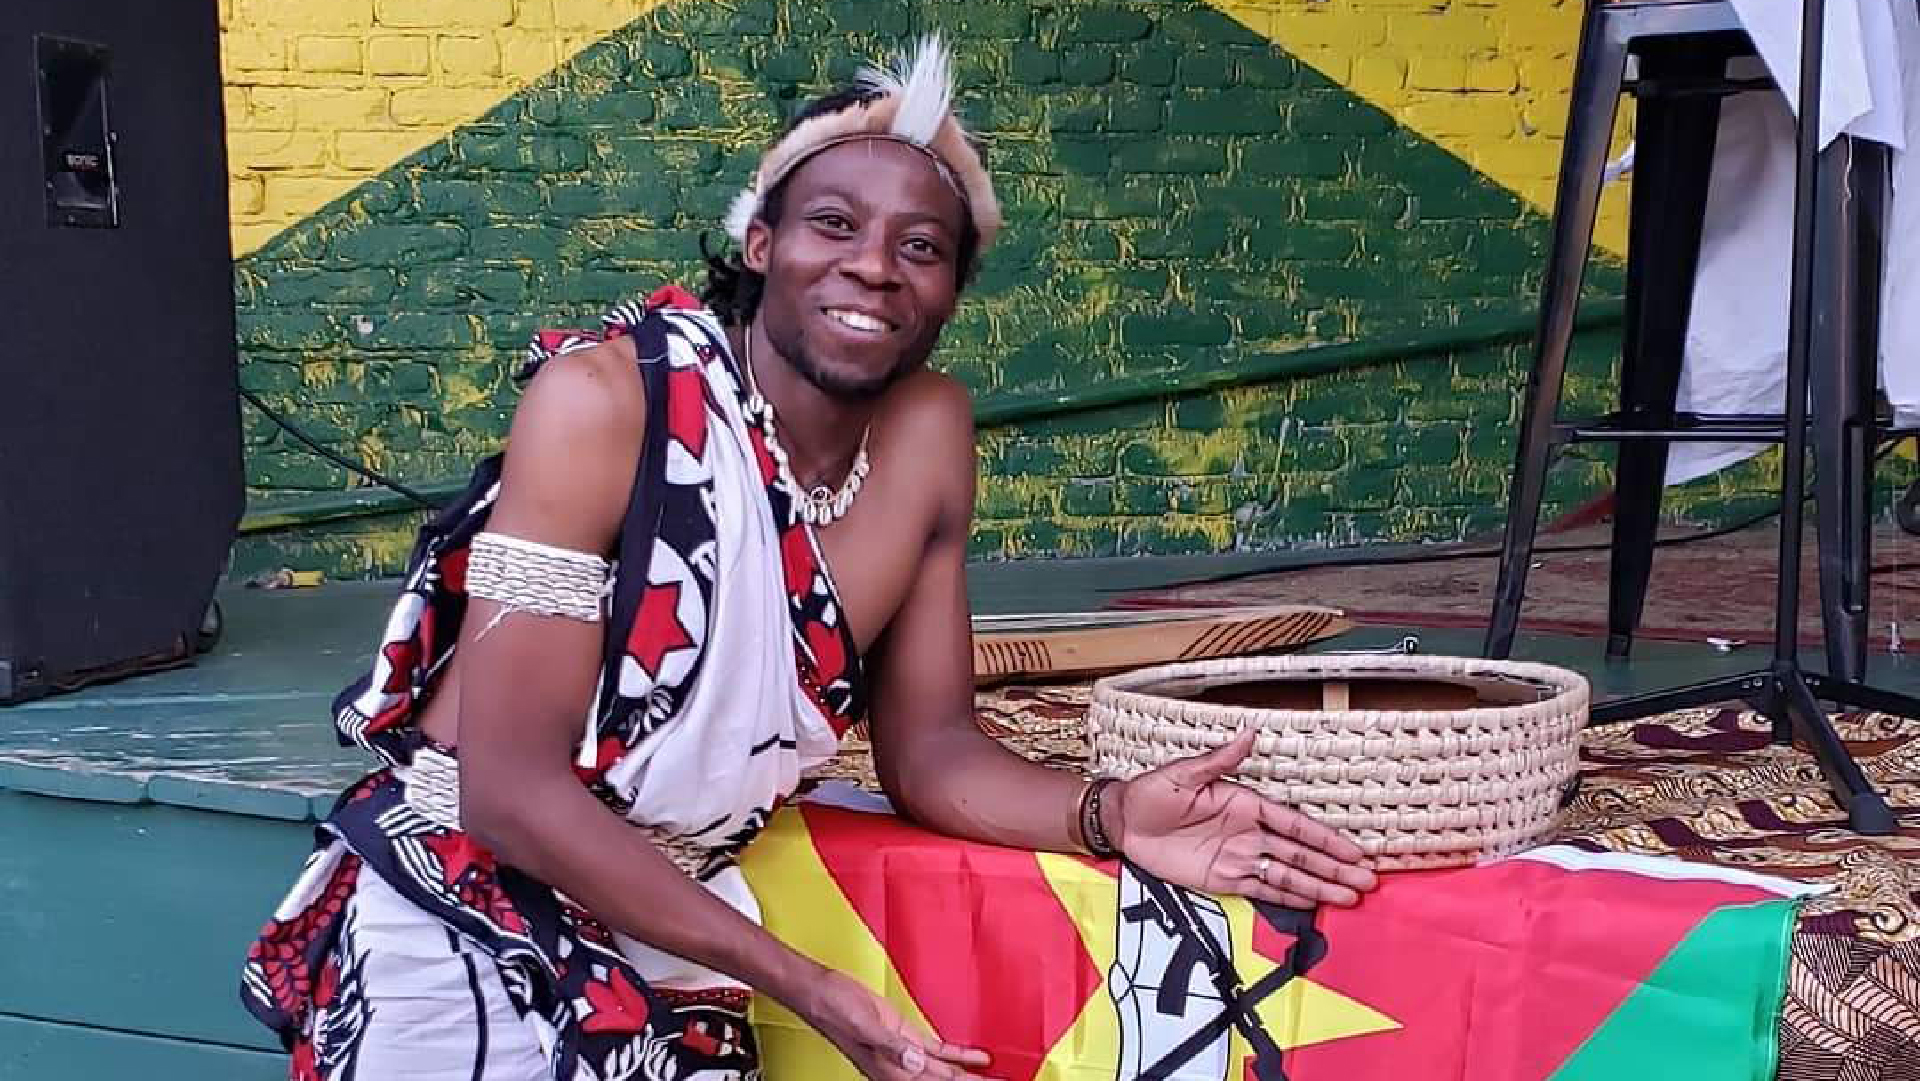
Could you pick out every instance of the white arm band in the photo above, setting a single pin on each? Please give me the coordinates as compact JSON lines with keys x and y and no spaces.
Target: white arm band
{"x":526,"y":576}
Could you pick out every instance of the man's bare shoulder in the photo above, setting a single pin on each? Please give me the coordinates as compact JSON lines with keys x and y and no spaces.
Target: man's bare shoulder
{"x":930,"y":404}
{"x":593,"y":392}
{"x":575,"y":443}
{"x":926,"y":425}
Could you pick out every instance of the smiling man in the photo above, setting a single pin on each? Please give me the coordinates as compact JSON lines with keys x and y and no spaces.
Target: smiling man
{"x":719,"y":536}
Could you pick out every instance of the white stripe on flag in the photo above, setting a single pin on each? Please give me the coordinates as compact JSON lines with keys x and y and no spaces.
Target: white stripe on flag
{"x":1568,"y":858}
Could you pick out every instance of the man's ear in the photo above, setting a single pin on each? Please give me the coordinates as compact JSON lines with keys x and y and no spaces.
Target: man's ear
{"x":759,"y":243}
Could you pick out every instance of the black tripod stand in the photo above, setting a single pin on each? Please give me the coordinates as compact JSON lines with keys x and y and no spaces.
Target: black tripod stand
{"x":1783,"y":692}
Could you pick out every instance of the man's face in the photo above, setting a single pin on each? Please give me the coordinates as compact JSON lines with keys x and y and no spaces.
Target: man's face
{"x":863,"y":270}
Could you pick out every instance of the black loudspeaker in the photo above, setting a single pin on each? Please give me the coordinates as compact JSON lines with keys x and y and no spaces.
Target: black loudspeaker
{"x":121,"y":483}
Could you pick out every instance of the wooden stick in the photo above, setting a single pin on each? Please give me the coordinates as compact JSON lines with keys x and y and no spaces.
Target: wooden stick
{"x":1089,"y":652}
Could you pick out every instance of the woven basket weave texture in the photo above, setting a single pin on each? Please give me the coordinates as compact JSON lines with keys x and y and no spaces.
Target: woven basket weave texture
{"x":1415,"y":788}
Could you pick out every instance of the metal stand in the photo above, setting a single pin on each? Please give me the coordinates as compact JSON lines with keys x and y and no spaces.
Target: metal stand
{"x":1783,"y":692}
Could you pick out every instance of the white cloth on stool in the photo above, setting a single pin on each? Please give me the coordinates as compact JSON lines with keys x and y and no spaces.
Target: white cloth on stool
{"x":1736,"y":354}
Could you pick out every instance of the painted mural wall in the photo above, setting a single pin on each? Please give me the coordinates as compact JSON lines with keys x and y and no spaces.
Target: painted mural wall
{"x":1191,"y":186}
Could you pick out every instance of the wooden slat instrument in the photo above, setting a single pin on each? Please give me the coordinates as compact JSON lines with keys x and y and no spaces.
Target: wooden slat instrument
{"x":1085,"y":645}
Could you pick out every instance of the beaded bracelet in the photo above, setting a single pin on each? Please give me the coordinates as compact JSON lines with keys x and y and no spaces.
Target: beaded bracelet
{"x":1093,"y":834}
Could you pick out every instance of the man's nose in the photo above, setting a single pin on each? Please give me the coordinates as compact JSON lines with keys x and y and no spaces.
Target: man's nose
{"x":871,"y":261}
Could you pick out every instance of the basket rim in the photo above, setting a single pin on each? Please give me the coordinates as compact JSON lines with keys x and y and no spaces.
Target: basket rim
{"x":1121,"y":690}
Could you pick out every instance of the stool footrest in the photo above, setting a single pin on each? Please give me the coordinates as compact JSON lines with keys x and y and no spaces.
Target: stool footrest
{"x":1684,"y":428}
{"x":1703,"y":428}
{"x":1693,"y":88}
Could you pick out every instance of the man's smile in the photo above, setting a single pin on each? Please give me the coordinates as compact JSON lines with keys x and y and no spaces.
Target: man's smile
{"x":862,"y":322}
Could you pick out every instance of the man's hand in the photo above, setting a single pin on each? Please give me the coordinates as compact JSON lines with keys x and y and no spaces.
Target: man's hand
{"x":1188,"y":826}
{"x":877,"y":1039}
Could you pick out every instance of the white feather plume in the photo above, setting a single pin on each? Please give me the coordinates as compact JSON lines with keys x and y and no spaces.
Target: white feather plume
{"x":923,"y":88}
{"x":745,"y":206}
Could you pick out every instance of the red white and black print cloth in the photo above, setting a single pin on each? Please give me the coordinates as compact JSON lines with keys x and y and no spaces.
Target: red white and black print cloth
{"x":703,"y":721}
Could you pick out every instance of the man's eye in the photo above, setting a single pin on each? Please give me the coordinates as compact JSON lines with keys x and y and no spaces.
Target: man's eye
{"x":924,"y":247}
{"x":833,"y":221}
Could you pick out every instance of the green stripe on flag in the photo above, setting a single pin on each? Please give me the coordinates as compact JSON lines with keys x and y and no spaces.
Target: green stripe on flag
{"x":1709,"y":1012}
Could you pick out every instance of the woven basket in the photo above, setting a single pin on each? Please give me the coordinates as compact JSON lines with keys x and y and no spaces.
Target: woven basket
{"x":1423,"y":761}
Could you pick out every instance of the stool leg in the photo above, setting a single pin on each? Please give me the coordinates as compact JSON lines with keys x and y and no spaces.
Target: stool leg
{"x":1845,"y":361}
{"x":1673,"y":163}
{"x":1598,"y":74}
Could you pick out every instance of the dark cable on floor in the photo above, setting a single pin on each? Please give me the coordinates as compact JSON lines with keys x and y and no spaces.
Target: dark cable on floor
{"x":334,"y":456}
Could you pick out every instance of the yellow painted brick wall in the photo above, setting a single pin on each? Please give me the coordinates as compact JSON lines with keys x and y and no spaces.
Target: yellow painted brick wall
{"x":1183,"y":196}
{"x":325,"y":94}
{"x":1487,"y":79}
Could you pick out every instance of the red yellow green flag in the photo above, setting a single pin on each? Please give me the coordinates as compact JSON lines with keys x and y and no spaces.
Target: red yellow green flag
{"x":1558,"y":965}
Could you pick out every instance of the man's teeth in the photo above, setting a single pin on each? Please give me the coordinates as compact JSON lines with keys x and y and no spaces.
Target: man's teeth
{"x":857,"y":320}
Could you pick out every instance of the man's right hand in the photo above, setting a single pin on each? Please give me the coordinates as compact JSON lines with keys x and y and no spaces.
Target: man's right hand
{"x":880,"y":1042}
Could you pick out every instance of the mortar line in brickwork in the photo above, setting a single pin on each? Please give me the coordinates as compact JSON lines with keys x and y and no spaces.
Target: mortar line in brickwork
{"x":1003,"y":411}
{"x":1259,"y":369}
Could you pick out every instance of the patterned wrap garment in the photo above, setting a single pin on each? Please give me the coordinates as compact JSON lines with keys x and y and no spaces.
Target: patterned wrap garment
{"x":702,"y":723}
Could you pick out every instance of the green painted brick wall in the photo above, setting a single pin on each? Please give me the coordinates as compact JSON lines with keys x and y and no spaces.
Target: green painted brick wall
{"x":1181,"y":194}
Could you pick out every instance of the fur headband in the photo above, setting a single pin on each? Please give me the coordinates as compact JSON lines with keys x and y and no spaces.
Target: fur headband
{"x":912,"y":104}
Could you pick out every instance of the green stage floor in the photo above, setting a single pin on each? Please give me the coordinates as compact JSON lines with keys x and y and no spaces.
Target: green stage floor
{"x":148,"y":827}
{"x":245,"y":730}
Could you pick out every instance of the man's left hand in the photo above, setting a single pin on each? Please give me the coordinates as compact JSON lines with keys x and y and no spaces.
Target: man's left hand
{"x":1185,"y":823}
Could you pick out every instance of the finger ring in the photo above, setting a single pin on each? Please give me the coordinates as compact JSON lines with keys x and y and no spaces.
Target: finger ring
{"x":1260,"y":867}
{"x":912,"y":1058}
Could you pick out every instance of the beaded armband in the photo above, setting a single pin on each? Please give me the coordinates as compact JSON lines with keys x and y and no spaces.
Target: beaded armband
{"x":526,"y":576}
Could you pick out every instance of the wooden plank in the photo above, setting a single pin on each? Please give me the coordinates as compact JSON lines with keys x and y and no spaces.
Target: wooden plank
{"x":1091,"y":652}
{"x":234,"y":797}
{"x":280,"y":744}
{"x":137,"y":918}
{"x":33,"y":1050}
{"x":71,"y":780}
{"x":254,"y":712}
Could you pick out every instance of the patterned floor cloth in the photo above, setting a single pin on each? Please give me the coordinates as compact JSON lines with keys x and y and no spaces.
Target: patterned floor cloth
{"x":1708,"y":786}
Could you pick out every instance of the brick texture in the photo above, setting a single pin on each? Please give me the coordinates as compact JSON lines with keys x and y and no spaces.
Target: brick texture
{"x":1487,"y":81}
{"x":359,"y":85}
{"x":1183,"y":196}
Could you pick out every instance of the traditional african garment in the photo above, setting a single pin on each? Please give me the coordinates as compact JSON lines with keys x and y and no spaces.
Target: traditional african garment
{"x":405,"y":950}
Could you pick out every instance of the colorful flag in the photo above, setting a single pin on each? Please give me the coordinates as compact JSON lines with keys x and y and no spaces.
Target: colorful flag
{"x":1558,"y":965}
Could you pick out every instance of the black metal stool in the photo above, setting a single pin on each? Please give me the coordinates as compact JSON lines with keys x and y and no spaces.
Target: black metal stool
{"x":1683,"y":48}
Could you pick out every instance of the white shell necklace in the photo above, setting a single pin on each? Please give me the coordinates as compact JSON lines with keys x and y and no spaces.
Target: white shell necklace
{"x":819,"y":505}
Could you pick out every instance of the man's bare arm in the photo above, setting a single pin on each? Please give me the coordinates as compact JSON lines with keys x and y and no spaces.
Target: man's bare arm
{"x":935,"y":763}
{"x":525,"y":687}
{"x":1182,"y":821}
